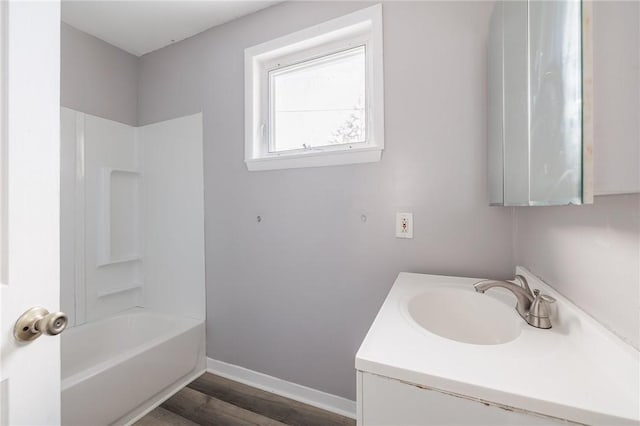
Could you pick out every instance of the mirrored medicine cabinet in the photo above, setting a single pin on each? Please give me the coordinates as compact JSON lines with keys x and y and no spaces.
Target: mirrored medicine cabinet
{"x":539,"y":129}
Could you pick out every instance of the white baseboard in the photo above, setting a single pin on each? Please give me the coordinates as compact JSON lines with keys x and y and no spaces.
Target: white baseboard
{"x":335,"y":404}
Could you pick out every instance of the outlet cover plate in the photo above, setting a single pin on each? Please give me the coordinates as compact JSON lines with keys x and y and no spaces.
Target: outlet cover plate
{"x":404,"y":225}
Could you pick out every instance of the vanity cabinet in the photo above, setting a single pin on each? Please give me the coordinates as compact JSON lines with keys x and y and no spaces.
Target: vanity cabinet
{"x":385,"y":401}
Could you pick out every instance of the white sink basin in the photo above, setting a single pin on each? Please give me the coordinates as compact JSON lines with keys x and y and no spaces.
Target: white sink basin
{"x":417,"y":338}
{"x":465,"y":316}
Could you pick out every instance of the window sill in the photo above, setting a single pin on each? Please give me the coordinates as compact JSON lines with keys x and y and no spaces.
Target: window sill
{"x":315,"y":159}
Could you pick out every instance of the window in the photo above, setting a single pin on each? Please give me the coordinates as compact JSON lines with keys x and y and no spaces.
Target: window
{"x":319,"y":102}
{"x":314,"y":98}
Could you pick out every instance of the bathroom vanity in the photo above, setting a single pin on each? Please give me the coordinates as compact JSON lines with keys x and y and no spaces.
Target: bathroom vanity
{"x":439,"y":353}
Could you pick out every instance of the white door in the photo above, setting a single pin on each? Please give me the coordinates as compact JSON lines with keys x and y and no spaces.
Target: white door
{"x":29,"y":210}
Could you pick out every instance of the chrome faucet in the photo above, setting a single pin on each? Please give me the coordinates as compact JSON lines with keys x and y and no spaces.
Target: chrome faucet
{"x":532,"y":306}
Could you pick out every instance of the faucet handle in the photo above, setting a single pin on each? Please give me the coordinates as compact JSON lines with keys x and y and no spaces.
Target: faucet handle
{"x":522,"y":281}
{"x":539,"y":311}
{"x":544,"y":297}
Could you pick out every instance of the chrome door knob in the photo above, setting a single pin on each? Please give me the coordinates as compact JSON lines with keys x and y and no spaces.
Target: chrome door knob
{"x":37,"y":321}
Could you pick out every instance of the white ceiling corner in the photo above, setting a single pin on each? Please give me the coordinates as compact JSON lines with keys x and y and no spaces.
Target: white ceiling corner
{"x":143,"y":26}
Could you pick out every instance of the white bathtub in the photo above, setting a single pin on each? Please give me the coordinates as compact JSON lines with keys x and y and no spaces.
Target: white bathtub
{"x":115,"y":369}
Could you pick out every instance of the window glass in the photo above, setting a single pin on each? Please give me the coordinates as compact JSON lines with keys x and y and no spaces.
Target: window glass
{"x":320,"y":102}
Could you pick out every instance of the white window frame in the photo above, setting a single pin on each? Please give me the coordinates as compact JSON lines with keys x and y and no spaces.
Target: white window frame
{"x":361,"y":28}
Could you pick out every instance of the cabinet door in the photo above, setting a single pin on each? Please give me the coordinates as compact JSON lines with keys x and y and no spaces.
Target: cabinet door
{"x":616,"y":97}
{"x":516,"y":103}
{"x":539,"y":137}
{"x":555,"y":103}
{"x":390,"y":402}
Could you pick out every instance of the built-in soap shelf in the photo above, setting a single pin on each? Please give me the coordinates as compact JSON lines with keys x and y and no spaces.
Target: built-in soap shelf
{"x":132,"y":258}
{"x":119,"y":221}
{"x":117,"y":290}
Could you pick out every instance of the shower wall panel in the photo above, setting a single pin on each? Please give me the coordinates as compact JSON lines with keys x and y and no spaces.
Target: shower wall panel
{"x":174,"y":216}
{"x":132,"y":217}
{"x":101,"y":243}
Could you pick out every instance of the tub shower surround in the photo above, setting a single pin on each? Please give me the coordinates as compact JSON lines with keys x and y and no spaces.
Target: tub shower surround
{"x":132,"y":256}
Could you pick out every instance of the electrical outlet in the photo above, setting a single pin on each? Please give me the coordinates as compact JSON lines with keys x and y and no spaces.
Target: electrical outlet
{"x":404,"y":225}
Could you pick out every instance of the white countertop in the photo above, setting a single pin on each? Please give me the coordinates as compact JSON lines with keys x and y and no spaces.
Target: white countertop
{"x":577,"y":370}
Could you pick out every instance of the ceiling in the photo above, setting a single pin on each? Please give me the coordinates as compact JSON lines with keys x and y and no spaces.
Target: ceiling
{"x":143,"y":26}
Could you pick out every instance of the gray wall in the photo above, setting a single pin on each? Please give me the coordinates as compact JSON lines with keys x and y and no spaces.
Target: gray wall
{"x":97,"y":78}
{"x":293,"y":295}
{"x":591,"y":254}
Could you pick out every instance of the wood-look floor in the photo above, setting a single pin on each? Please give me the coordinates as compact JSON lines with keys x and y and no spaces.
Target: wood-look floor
{"x":214,"y":400}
